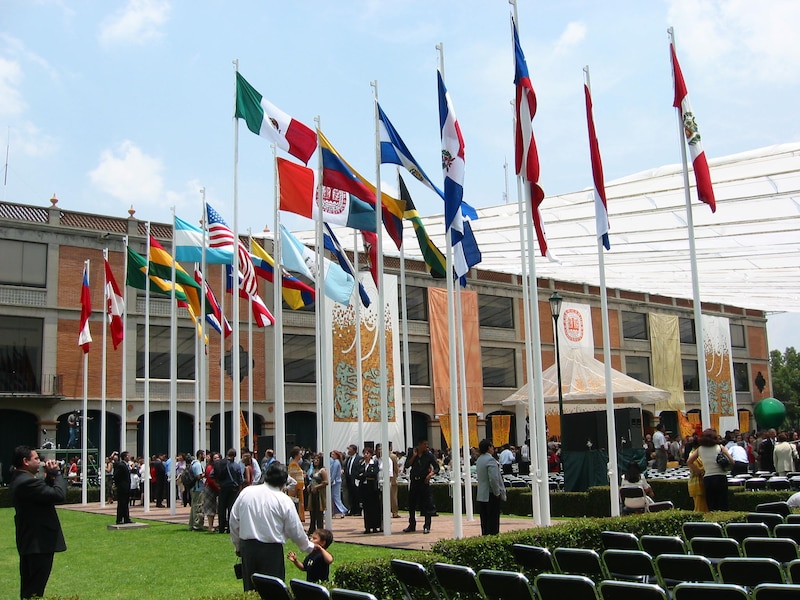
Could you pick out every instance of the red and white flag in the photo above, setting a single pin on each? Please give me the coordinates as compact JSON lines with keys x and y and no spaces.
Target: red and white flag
{"x":701,"y":173}
{"x":84,"y":335}
{"x":600,"y":205}
{"x":115,"y":306}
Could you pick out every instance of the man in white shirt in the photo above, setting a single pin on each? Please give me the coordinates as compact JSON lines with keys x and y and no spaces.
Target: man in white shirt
{"x":741,"y":464}
{"x":261,"y":519}
{"x":660,"y":443}
{"x":506,"y":460}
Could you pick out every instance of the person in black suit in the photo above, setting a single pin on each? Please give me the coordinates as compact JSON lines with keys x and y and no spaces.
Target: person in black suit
{"x":160,"y":483}
{"x":39,"y":533}
{"x":122,"y":479}
{"x":352,"y":469}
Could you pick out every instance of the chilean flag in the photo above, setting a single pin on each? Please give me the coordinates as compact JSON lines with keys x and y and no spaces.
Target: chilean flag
{"x":600,"y":205}
{"x":85,"y":336}
{"x":704,"y":189}
{"x":526,"y":156}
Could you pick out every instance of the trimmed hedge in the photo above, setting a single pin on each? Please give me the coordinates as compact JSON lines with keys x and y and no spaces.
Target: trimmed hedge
{"x":375,"y":575}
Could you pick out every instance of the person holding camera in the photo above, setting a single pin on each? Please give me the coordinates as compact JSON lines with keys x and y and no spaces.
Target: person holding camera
{"x":39,"y":533}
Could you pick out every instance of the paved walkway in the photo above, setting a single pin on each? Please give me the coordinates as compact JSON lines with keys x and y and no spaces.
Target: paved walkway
{"x":348,"y":529}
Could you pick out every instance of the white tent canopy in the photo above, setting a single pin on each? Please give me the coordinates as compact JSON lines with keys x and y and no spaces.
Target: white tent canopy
{"x":748,"y":252}
{"x":583,"y":381}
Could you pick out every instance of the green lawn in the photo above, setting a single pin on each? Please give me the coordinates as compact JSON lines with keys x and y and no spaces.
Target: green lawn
{"x":163,"y":561}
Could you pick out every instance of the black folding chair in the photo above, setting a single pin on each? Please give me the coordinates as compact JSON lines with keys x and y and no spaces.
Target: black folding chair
{"x":619,"y":540}
{"x":457,"y":581}
{"x":630,"y":565}
{"x":270,"y":588}
{"x":673,"y":569}
{"x":793,"y":518}
{"x":580,"y":561}
{"x":739,"y":531}
{"x":776,"y":591}
{"x":413,"y":576}
{"x":659,"y":506}
{"x":627,"y":590}
{"x":715,"y":548}
{"x":633,"y":493}
{"x":771,"y":519}
{"x":534,"y":559}
{"x":788,"y":530}
{"x":655,"y":545}
{"x":505,"y":585}
{"x":342,"y":594}
{"x":749,"y":572}
{"x":305,"y":590}
{"x":693,"y":529}
{"x":552,"y":586}
{"x":709,"y":591}
{"x":793,"y":571}
{"x":778,"y":508}
{"x":783,"y":550}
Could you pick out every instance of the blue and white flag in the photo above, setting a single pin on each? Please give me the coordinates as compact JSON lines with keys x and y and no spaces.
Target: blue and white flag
{"x":332,"y":245}
{"x":298,"y":257}
{"x":189,"y":246}
{"x":464,"y":255}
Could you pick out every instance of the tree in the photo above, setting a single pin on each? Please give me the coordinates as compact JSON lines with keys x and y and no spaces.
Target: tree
{"x":785,"y":369}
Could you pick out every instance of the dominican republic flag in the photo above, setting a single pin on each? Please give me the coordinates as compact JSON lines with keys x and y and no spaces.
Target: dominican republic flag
{"x":704,"y":189}
{"x":115,"y":306}
{"x":189,"y":246}
{"x":600,"y":206}
{"x":453,"y":167}
{"x":84,"y":335}
{"x":268,"y":121}
{"x":221,"y":236}
{"x":298,"y":194}
{"x":526,"y":156}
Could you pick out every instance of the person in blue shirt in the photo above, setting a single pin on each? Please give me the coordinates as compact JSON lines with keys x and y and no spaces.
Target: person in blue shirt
{"x":317,"y":564}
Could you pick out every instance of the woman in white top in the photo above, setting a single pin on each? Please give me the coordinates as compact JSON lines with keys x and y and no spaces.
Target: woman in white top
{"x":714,"y":477}
{"x":633,"y":478}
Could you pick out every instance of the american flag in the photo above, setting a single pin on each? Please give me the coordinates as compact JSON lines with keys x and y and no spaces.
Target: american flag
{"x":221,"y":236}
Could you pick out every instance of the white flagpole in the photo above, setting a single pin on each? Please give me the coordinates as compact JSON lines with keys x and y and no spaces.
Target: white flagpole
{"x":204,"y":364}
{"x":536,"y":354}
{"x":455,"y":440}
{"x":384,"y":391}
{"x":462,"y":372}
{"x":359,"y":366}
{"x":250,"y":356}
{"x":277,"y":301}
{"x":705,"y":413}
{"x":236,"y":426}
{"x":199,"y":345}
{"x":103,"y":423}
{"x":123,"y":437}
{"x":406,"y":366}
{"x":146,"y":418}
{"x":611,"y":423}
{"x":173,"y":380}
{"x":85,"y":418}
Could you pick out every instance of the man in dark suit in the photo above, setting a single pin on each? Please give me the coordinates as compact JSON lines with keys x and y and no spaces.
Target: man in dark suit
{"x":160,"y":483}
{"x":39,"y":533}
{"x":122,"y":479}
{"x":352,"y":468}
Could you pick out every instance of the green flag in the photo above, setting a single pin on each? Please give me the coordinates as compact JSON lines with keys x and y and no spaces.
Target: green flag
{"x":434,"y":260}
{"x":137,"y":278}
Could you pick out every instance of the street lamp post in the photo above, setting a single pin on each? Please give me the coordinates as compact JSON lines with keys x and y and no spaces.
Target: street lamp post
{"x":555,"y":310}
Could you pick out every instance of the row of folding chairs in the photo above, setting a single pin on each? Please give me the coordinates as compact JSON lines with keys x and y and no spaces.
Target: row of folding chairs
{"x":272,"y":588}
{"x":756,"y":523}
{"x":455,"y":581}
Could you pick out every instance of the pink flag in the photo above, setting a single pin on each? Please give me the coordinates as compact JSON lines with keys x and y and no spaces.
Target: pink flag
{"x":600,"y":206}
{"x":84,"y":335}
{"x":704,"y":190}
{"x":525,"y":153}
{"x":115,"y":307}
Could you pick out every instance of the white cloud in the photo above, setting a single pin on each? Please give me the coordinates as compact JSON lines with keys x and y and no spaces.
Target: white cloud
{"x":739,"y":39}
{"x":11,"y":102}
{"x":27,"y":139}
{"x":130,"y":175}
{"x":573,"y":34}
{"x":138,"y":22}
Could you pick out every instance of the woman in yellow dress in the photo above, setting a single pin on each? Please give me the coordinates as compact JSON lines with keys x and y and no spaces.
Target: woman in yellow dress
{"x":296,"y":473}
{"x":697,"y":488}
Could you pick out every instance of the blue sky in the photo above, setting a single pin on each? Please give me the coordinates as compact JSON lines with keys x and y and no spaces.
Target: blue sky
{"x":113,"y":104}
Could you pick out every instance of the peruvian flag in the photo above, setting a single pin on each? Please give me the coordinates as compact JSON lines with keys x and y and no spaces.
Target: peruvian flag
{"x":115,"y":306}
{"x":704,"y":190}
{"x":600,"y":205}
{"x":84,"y":335}
{"x":525,"y":153}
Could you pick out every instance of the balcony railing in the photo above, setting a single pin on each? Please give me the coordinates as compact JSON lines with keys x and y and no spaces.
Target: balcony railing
{"x":16,"y":383}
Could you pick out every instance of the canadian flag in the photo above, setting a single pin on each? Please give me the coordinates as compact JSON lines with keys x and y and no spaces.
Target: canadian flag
{"x":115,"y":306}
{"x":699,"y":164}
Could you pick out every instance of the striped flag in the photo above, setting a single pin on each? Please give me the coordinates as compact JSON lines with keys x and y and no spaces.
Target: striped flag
{"x":84,"y":335}
{"x":261,"y":314}
{"x":332,"y":245}
{"x":705,"y":192}
{"x":221,"y":236}
{"x":189,"y":246}
{"x":526,"y":156}
{"x":115,"y":305}
{"x":434,"y":260}
{"x":600,"y":205}
{"x":214,"y":315}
